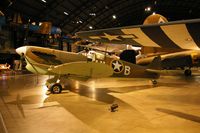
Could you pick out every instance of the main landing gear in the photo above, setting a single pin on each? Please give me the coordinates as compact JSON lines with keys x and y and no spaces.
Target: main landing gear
{"x":55,"y":88}
{"x":188,"y":72}
{"x":154,"y":82}
{"x":54,"y":85}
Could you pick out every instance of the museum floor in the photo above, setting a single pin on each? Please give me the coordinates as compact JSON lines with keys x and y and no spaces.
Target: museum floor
{"x":170,"y":107}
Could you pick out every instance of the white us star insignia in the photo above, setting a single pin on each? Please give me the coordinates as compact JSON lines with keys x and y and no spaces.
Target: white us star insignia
{"x":117,"y":66}
{"x":111,"y":37}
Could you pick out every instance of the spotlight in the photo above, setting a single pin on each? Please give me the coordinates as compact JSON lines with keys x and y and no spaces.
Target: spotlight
{"x":148,"y":9}
{"x":90,"y":27}
{"x":114,"y":16}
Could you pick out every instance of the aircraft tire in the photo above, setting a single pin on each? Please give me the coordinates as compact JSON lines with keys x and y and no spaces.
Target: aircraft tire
{"x":154,"y":82}
{"x":188,"y":72}
{"x":56,"y":88}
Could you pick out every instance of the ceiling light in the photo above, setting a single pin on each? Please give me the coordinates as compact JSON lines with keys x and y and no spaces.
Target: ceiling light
{"x":106,"y":7}
{"x":33,"y":23}
{"x":44,"y":1}
{"x":147,"y":9}
{"x":90,"y":27}
{"x":66,"y":13}
{"x":92,"y":14}
{"x":154,"y":13}
{"x":79,"y":22}
{"x":114,"y":16}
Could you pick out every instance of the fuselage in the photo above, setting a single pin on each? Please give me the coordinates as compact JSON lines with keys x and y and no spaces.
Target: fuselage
{"x":39,"y":60}
{"x":174,"y":60}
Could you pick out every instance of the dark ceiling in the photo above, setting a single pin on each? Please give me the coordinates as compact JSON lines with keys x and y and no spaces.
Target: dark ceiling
{"x":98,"y":13}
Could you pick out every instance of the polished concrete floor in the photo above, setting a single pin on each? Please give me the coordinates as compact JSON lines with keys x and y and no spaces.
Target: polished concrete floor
{"x":170,"y":107}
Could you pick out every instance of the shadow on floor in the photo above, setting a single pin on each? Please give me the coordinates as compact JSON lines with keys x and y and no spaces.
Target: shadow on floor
{"x":102,"y":94}
{"x":180,"y":114}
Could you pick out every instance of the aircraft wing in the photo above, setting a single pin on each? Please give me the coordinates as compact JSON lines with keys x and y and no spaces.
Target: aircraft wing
{"x":174,"y":35}
{"x":85,"y":69}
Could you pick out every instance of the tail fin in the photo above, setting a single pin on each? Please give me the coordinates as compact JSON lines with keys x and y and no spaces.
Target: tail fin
{"x":155,"y":64}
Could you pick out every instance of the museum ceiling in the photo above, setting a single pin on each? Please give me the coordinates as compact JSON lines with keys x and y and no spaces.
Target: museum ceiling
{"x":77,"y":15}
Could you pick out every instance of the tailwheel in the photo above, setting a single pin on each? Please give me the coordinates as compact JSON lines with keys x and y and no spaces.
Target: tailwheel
{"x":56,"y":88}
{"x":154,"y":82}
{"x":188,"y":72}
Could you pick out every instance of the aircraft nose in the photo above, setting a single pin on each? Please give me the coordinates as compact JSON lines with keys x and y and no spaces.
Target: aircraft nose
{"x":21,"y":50}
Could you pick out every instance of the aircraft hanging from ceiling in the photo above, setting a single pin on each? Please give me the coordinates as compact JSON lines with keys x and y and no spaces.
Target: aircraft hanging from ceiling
{"x":63,"y":64}
{"x":171,"y":35}
{"x":157,"y":33}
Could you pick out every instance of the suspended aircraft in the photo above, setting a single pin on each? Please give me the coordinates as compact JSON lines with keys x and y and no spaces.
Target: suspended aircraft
{"x":63,"y":64}
{"x":177,"y":42}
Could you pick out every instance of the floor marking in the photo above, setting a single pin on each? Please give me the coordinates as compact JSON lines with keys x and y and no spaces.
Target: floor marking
{"x":3,"y":124}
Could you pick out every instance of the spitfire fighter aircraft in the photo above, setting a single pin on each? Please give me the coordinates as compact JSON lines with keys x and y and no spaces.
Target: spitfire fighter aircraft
{"x":63,"y":64}
{"x":180,"y":39}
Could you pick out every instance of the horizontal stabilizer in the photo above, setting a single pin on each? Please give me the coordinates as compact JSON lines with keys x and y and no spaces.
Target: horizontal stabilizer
{"x":87,"y":69}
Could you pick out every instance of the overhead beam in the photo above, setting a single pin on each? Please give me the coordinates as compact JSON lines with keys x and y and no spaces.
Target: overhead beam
{"x":76,"y":12}
{"x":101,"y":11}
{"x":50,"y":8}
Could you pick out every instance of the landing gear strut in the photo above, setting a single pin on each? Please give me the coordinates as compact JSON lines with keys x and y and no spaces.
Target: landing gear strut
{"x":55,"y":88}
{"x":188,"y":72}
